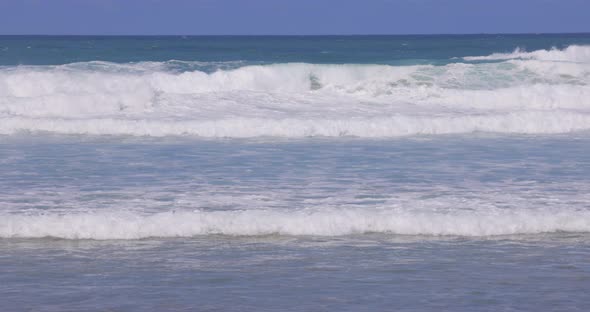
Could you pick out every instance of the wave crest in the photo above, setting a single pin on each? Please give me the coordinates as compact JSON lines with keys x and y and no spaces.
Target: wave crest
{"x":263,"y":222}
{"x":573,"y":53}
{"x":294,"y":100}
{"x":396,"y":126}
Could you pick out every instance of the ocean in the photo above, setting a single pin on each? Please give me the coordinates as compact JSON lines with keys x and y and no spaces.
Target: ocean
{"x":297,"y":173}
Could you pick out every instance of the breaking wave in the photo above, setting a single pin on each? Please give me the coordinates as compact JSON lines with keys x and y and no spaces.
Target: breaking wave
{"x":396,"y":126}
{"x":102,"y":226}
{"x":546,"y":91}
{"x":574,"y":53}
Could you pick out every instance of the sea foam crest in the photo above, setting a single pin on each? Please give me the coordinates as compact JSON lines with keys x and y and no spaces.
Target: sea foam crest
{"x":573,"y":53}
{"x":264,"y":222}
{"x":402,"y":125}
{"x":296,"y":100}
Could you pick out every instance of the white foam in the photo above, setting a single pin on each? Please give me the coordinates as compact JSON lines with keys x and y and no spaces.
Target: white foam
{"x":303,"y":222}
{"x":522,"y":123}
{"x":573,"y":53}
{"x":295,"y":100}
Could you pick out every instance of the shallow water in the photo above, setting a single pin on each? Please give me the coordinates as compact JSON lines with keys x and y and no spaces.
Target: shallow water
{"x":122,"y":188}
{"x":357,"y":273}
{"x":458,"y":185}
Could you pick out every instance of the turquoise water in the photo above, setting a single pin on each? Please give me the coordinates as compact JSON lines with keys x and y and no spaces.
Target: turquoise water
{"x":377,"y":173}
{"x":410,"y":49}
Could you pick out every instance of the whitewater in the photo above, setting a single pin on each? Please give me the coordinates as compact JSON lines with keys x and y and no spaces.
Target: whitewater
{"x":319,"y":223}
{"x":541,"y":93}
{"x":538,"y":92}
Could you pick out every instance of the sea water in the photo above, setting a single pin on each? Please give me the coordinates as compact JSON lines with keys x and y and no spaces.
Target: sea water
{"x":360,"y":173}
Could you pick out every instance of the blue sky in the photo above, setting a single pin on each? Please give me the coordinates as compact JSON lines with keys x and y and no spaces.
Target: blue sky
{"x":293,"y":17}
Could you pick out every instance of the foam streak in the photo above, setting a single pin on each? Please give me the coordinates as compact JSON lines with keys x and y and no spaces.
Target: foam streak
{"x":260,"y":222}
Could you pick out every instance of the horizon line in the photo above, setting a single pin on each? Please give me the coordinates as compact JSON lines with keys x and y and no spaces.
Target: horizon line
{"x":296,"y":35}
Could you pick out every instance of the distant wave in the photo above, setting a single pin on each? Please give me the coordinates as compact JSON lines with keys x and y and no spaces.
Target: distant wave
{"x":264,"y":222}
{"x":529,"y":92}
{"x":574,"y":53}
